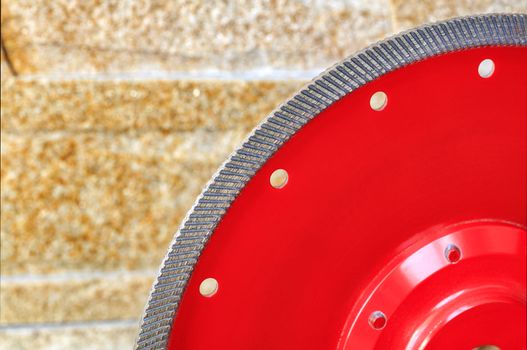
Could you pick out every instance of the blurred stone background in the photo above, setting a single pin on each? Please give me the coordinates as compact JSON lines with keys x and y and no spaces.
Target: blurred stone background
{"x":114,"y":115}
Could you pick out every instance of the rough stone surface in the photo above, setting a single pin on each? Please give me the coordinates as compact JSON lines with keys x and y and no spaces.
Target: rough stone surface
{"x":74,"y":297}
{"x":411,"y":13}
{"x":91,"y":336}
{"x":151,"y":35}
{"x":123,"y":105}
{"x":5,"y":71}
{"x":100,"y":201}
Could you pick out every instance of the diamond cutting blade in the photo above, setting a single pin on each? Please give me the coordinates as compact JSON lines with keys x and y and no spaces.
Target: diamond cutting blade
{"x":382,"y":207}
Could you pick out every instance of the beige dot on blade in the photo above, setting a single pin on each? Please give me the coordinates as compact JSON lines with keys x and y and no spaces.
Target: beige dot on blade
{"x":279,"y":178}
{"x":486,"y":68}
{"x":208,"y":287}
{"x":378,"y":101}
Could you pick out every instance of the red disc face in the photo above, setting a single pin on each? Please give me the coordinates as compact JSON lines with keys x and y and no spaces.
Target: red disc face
{"x":401,"y":224}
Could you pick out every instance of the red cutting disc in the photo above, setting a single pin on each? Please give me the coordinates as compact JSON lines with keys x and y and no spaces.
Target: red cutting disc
{"x":443,"y":163}
{"x":399,"y":227}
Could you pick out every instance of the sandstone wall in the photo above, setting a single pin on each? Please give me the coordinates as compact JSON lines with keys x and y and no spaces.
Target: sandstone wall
{"x":114,"y":115}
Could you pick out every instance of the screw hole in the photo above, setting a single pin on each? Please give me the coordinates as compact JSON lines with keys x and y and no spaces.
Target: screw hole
{"x":486,"y":68}
{"x":377,"y":320}
{"x":452,"y":253}
{"x":378,"y":101}
{"x":279,"y":178}
{"x":208,"y":287}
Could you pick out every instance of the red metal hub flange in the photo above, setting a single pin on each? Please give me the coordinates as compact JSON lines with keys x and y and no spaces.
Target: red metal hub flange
{"x":464,"y":288}
{"x":399,"y":227}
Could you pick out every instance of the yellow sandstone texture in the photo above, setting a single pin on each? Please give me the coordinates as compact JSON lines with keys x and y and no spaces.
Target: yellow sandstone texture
{"x":410,"y":13}
{"x":139,"y":105}
{"x":145,"y":35}
{"x":115,"y":114}
{"x":5,"y":71}
{"x":75,"y":297}
{"x":88,"y":336}
{"x":100,"y":201}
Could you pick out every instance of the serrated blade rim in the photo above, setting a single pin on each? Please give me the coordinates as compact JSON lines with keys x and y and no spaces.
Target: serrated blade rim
{"x":330,"y":86}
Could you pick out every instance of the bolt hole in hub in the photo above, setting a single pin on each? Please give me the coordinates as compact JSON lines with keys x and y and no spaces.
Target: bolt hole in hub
{"x":417,"y":241}
{"x":434,"y":295}
{"x":377,"y":320}
{"x":452,"y":253}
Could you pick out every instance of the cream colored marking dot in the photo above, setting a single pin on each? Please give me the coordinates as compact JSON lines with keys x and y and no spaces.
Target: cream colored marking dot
{"x":279,"y":178}
{"x":208,"y":287}
{"x":378,"y":101}
{"x":486,"y":68}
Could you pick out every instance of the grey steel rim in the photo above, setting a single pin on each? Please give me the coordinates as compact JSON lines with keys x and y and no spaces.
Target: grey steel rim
{"x":330,"y":86}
